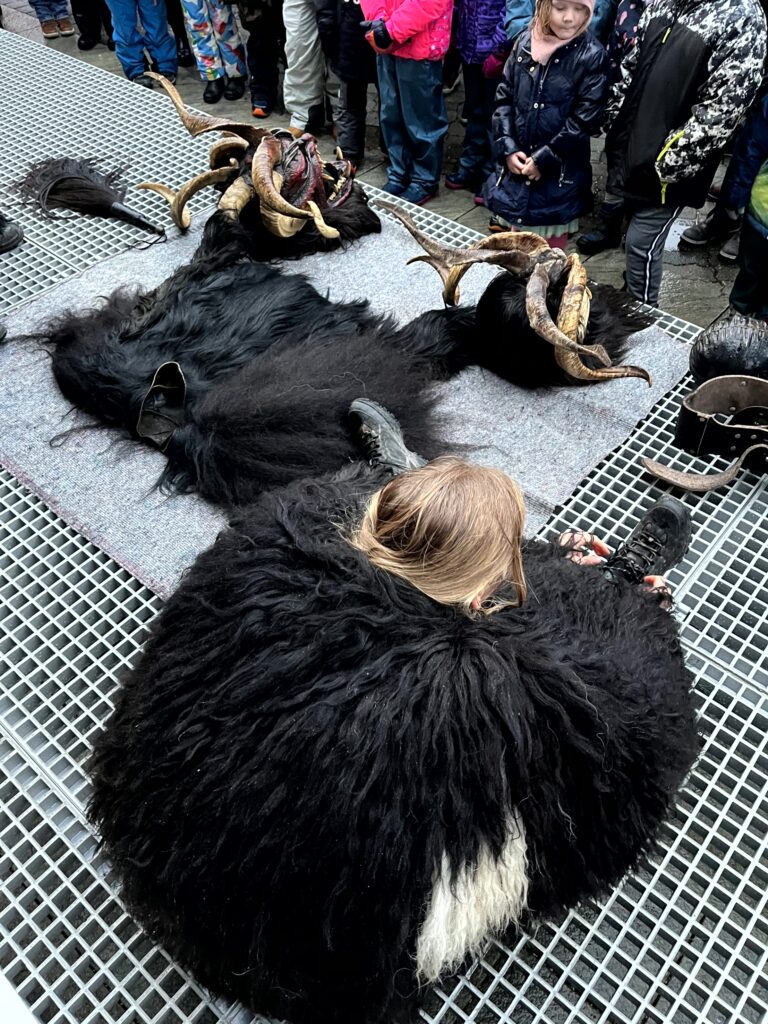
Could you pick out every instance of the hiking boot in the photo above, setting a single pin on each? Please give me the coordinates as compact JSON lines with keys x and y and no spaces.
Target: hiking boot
{"x":729,"y":250}
{"x":657,"y":543}
{"x":606,"y":234}
{"x":379,"y":436}
{"x":716,"y":226}
{"x":11,"y":234}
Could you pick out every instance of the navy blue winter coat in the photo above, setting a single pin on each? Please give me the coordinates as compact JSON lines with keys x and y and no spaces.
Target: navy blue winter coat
{"x":549,"y":112}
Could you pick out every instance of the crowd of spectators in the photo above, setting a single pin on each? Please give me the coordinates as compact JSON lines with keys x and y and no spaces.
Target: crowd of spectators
{"x":668,"y":83}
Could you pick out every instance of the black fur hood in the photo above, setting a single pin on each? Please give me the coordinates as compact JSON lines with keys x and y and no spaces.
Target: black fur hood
{"x":312,"y":761}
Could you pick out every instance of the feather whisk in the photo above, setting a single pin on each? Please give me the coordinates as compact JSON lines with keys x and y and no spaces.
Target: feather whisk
{"x":66,"y":183}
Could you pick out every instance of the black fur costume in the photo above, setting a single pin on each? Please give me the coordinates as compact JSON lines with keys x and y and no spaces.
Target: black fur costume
{"x":307,"y":742}
{"x":271,"y":366}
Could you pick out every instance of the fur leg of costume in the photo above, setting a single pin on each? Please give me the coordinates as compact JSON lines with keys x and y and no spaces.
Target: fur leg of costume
{"x":254,"y":417}
{"x":321,"y":789}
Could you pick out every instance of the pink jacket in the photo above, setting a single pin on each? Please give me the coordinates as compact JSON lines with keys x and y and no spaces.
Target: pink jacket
{"x":421,"y":28}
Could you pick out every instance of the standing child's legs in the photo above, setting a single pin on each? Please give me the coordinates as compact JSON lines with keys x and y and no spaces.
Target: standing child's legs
{"x":263,"y":21}
{"x":392,"y":124}
{"x":158,"y":40}
{"x":476,"y":160}
{"x":420,"y":85}
{"x":48,"y":11}
{"x":129,"y":42}
{"x":558,"y":241}
{"x":304,"y":82}
{"x":350,"y":119}
{"x":646,"y":234}
{"x":750,"y":289}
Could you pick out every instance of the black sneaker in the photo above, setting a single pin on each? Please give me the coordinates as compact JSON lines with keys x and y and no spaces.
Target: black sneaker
{"x":145,"y":80}
{"x":381,"y":439}
{"x":657,"y":543}
{"x":11,"y":234}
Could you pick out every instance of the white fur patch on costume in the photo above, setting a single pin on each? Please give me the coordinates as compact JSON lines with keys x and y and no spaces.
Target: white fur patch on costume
{"x":484,"y":899}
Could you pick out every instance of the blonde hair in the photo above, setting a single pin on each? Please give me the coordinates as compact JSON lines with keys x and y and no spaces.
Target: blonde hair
{"x":543,"y":14}
{"x":452,"y":530}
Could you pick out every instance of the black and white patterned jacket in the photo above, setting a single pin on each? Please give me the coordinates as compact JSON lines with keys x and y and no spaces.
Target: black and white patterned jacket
{"x":683,"y":90}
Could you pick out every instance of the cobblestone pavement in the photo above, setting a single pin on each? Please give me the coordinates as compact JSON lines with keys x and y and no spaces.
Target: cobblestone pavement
{"x":696,"y":285}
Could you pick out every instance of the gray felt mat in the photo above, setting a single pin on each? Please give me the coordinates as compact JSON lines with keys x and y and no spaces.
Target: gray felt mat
{"x":547,"y":440}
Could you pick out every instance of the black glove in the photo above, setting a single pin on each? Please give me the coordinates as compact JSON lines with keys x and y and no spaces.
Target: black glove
{"x":377,"y":34}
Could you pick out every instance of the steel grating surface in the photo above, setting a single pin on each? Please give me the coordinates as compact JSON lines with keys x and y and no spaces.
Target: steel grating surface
{"x":683,"y":940}
{"x":106,"y":117}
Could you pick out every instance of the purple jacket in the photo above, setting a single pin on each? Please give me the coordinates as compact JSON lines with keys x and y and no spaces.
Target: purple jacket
{"x":480,"y":29}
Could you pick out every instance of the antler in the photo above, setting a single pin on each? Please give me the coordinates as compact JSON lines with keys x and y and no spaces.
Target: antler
{"x":525,"y":254}
{"x":178,"y":200}
{"x":198,"y":124}
{"x":572,"y":320}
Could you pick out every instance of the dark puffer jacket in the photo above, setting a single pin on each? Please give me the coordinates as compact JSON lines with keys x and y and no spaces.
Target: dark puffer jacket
{"x":683,"y":90}
{"x":480,"y":30}
{"x":343,"y":40}
{"x":549,"y":112}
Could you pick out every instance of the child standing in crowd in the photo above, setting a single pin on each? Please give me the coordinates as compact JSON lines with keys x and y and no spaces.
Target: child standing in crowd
{"x":218,"y":49}
{"x":480,"y":32}
{"x":747,"y":186}
{"x":411,"y":38}
{"x":520,"y":12}
{"x":550,"y":101}
{"x":130,"y":43}
{"x":54,"y":18}
{"x":352,"y":60}
{"x":607,"y":232}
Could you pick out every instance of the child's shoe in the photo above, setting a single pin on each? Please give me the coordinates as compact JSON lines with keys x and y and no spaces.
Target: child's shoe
{"x":418,"y":194}
{"x":394,"y":188}
{"x":65,"y":27}
{"x":49,"y":29}
{"x":459,"y":180}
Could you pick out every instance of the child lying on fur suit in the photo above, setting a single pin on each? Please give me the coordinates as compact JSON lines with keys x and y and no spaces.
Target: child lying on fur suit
{"x":369,"y":731}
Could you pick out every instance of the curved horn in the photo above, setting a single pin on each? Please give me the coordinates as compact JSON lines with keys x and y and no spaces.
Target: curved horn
{"x":226,"y":149}
{"x":325,"y":229}
{"x":236,"y":197}
{"x":197,"y":124}
{"x":514,"y":251}
{"x":264,"y":160}
{"x":542,"y":323}
{"x":178,"y":200}
{"x":572,"y":321}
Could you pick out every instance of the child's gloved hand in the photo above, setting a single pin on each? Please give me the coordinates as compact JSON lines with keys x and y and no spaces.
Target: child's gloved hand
{"x":378,"y":36}
{"x":493,"y":65}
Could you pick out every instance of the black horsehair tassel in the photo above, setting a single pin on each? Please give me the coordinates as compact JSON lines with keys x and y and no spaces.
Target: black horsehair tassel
{"x":65,"y":183}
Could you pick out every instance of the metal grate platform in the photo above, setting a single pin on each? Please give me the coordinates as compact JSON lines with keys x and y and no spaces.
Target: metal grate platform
{"x":79,"y":110}
{"x":684,"y":940}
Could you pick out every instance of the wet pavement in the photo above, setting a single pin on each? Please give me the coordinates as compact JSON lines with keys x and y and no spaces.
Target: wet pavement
{"x":696,"y":284}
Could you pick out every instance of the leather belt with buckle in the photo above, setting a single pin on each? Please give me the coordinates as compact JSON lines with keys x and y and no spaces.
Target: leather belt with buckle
{"x":725,"y":416}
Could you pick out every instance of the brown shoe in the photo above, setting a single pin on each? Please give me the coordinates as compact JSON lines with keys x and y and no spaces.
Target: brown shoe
{"x":66,"y":28}
{"x":50,"y":29}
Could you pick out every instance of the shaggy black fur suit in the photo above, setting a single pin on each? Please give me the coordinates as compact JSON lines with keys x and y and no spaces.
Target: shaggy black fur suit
{"x":271,"y":365}
{"x":308,"y":746}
